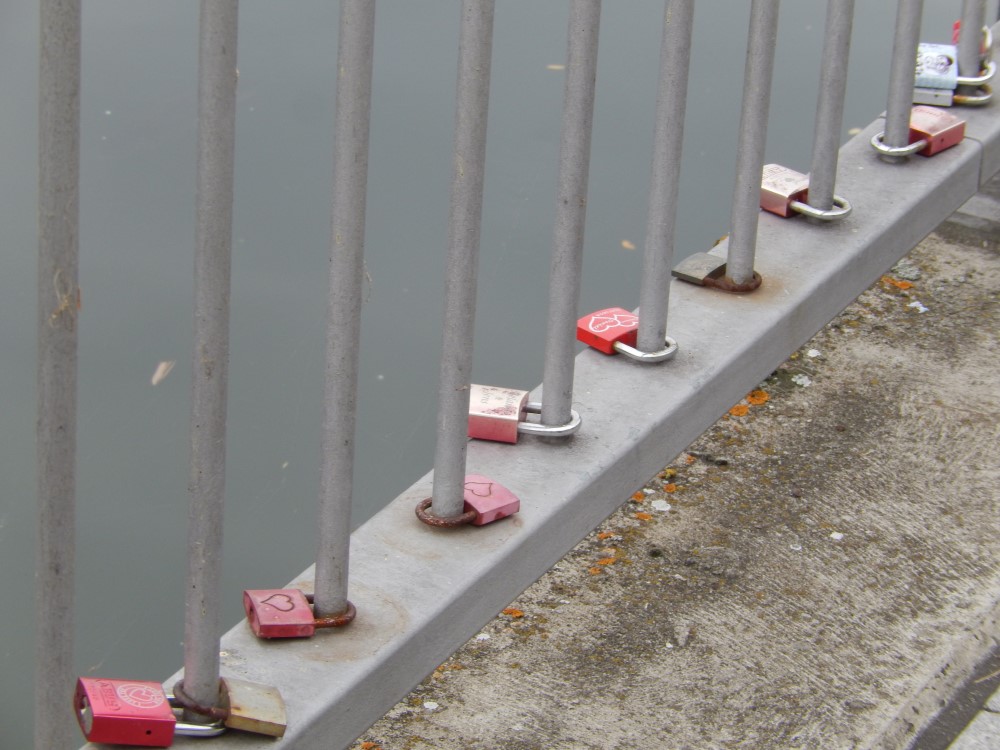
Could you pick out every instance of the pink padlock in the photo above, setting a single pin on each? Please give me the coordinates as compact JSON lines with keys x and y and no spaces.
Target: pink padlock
{"x":287,"y":613}
{"x":489,"y":499}
{"x":124,"y":712}
{"x":485,"y":501}
{"x":604,"y":328}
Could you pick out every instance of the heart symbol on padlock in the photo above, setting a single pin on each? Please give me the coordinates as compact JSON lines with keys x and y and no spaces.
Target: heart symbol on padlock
{"x":473,"y":488}
{"x":286,"y":597}
{"x":602,"y":323}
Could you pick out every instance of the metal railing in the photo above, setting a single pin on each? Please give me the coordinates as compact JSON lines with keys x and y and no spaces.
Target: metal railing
{"x":420,"y":591}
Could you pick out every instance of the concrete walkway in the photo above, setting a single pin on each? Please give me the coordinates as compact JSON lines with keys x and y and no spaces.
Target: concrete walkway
{"x":821,"y":569}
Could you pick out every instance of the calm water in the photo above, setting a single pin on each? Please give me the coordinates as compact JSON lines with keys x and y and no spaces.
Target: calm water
{"x":136,"y":240}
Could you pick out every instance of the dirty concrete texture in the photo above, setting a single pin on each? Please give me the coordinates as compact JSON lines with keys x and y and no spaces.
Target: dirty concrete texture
{"x":821,"y":569}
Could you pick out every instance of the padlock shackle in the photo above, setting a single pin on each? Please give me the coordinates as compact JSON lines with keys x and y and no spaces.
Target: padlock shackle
{"x":333,"y":621}
{"x":984,"y":96}
{"x":842,"y":210}
{"x":896,"y":152}
{"x":667,"y":352}
{"x":981,"y":80}
{"x":546,"y":430}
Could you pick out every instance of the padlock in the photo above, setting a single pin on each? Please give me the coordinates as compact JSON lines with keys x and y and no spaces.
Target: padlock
{"x":128,"y":712}
{"x":490,"y":500}
{"x":485,"y":501}
{"x":935,"y":127}
{"x":495,"y":413}
{"x":501,"y":414}
{"x":785,"y":192}
{"x":287,"y":613}
{"x":247,"y":706}
{"x":937,"y":66}
{"x":936,"y":76}
{"x":251,"y":707}
{"x":604,"y":329}
{"x":780,"y":187}
{"x":707,"y":269}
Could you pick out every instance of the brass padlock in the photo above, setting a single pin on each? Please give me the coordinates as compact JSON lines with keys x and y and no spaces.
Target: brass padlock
{"x":252,"y":708}
{"x":242,"y":705}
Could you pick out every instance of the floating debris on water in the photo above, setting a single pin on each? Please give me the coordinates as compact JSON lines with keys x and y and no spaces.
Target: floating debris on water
{"x":555,"y":66}
{"x":162,"y":370}
{"x":626,"y":245}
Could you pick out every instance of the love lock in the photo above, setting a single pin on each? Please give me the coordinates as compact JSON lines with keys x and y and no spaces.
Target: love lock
{"x":932,"y":130}
{"x":128,"y":712}
{"x":936,"y":77}
{"x":287,"y":613}
{"x":706,"y":269}
{"x":486,"y":501}
{"x":785,"y":192}
{"x":614,"y":331}
{"x":242,"y":705}
{"x":501,"y":414}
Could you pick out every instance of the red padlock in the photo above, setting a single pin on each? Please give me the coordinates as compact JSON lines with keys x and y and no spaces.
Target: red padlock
{"x":124,"y":712}
{"x":128,"y":712}
{"x":279,"y":613}
{"x":938,"y":128}
{"x":604,"y":328}
{"x":287,"y":613}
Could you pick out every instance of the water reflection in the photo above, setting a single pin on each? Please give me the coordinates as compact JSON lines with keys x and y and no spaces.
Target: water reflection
{"x":137,"y":232}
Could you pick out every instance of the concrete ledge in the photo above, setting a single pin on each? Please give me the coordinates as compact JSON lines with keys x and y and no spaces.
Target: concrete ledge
{"x":422,"y":592}
{"x":826,"y":575}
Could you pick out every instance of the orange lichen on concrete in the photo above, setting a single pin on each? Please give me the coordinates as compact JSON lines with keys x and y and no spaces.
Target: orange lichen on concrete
{"x":740,"y":410}
{"x":898,"y":283}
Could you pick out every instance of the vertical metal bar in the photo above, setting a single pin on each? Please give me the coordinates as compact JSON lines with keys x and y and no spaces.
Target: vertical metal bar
{"x":904,"y":53}
{"x":668,"y":138}
{"x":210,"y":365}
{"x":355,"y":48}
{"x":761,"y":42}
{"x":468,"y":169}
{"x":830,"y":103}
{"x":970,"y":39}
{"x":58,"y":301}
{"x":566,"y":267}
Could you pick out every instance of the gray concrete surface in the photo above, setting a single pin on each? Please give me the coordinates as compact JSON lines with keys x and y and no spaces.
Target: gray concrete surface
{"x":821,"y":569}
